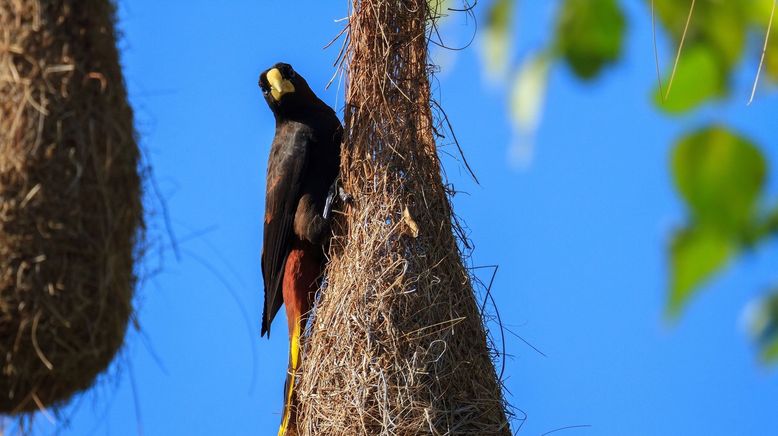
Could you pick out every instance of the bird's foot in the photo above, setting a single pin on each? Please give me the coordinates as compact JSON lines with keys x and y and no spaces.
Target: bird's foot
{"x":345,"y":196}
{"x":335,"y":190}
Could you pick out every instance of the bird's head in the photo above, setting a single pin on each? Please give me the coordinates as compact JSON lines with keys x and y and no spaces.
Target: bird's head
{"x":284,"y":89}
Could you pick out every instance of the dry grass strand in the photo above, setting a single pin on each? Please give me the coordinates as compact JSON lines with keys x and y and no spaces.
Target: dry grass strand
{"x":397,"y":344}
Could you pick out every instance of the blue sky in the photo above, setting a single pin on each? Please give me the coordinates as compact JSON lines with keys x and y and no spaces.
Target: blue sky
{"x":580,"y":235}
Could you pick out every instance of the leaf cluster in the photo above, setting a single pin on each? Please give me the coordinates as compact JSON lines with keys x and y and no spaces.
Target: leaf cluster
{"x":718,"y":173}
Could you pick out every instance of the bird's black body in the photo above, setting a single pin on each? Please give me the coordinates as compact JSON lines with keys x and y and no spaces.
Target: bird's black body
{"x":303,"y":164}
{"x":302,"y":167}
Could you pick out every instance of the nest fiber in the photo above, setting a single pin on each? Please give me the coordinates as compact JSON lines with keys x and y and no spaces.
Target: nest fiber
{"x":397,"y":344}
{"x":70,"y":207}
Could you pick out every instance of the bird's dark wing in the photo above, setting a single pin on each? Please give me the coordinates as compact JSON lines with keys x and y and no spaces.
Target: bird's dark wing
{"x":286,"y":168}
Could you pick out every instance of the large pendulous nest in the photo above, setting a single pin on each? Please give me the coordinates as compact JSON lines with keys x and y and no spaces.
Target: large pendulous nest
{"x":70,"y":200}
{"x":397,"y":344}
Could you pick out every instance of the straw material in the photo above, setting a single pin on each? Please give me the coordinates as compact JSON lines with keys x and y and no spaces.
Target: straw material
{"x":70,"y":199}
{"x":397,"y":344}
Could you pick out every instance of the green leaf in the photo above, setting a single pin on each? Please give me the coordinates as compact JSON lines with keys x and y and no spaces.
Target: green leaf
{"x":699,"y":77}
{"x":529,"y":91}
{"x":590,"y":35}
{"x":720,"y":25}
{"x":770,"y":352}
{"x":497,"y":36}
{"x":763,"y":326}
{"x":714,"y":44}
{"x":696,"y":255}
{"x":759,"y":11}
{"x":721,"y":176}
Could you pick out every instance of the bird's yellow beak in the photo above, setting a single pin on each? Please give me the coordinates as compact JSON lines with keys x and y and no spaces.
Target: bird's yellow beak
{"x":278,"y":85}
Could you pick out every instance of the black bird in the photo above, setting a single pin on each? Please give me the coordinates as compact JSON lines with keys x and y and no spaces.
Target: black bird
{"x":302,"y":167}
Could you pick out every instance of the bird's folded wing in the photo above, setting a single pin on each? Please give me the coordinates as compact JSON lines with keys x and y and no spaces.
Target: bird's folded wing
{"x":286,"y":171}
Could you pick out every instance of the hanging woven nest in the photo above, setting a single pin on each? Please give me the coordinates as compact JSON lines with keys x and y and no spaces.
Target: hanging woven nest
{"x":397,"y":344}
{"x":70,"y":200}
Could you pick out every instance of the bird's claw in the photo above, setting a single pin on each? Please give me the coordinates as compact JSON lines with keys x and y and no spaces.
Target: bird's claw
{"x":335,"y":190}
{"x":345,"y":196}
{"x":327,"y":213}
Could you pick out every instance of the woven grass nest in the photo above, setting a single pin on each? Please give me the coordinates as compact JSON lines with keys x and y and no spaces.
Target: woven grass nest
{"x":70,"y":200}
{"x":397,"y":344}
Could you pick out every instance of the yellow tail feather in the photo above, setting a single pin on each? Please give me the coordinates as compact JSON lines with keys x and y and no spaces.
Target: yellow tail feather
{"x":294,"y":360}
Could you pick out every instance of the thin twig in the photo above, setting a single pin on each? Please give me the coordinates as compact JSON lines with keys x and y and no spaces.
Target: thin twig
{"x":456,"y":142}
{"x":764,"y":51}
{"x":680,"y":48}
{"x":569,"y":427}
{"x":135,"y":400}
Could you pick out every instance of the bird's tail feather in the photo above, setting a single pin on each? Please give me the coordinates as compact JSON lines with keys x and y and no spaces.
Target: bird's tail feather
{"x":287,"y":423}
